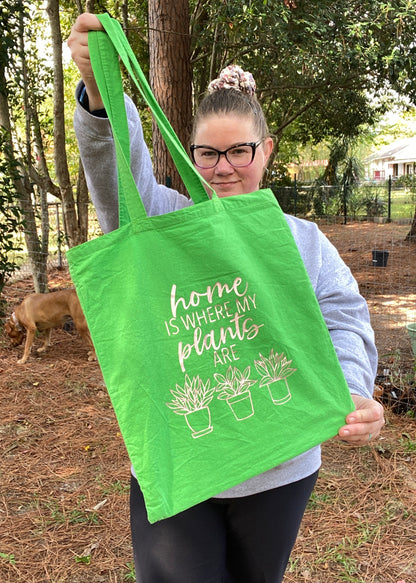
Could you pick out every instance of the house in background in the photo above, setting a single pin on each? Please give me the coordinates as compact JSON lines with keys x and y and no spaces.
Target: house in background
{"x":395,"y":160}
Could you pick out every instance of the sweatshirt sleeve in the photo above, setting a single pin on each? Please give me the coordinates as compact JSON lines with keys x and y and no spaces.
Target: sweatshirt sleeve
{"x":344,"y":310}
{"x":348,"y":320}
{"x":97,"y":151}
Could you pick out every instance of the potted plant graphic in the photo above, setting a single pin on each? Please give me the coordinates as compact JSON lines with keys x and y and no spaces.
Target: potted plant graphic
{"x":234,"y":388}
{"x":192,"y":401}
{"x":273,"y":370}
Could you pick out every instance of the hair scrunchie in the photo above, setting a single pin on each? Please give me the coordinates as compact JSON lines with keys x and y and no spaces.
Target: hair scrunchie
{"x":233,"y":77}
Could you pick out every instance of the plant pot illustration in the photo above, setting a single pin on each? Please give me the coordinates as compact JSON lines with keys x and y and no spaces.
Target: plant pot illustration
{"x":199,"y":422}
{"x":275,"y":370}
{"x":279,"y":391}
{"x":234,"y":388}
{"x":241,"y":406}
{"x":192,"y":400}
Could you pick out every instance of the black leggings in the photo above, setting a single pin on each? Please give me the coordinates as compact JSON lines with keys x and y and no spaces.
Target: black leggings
{"x":233,"y":540}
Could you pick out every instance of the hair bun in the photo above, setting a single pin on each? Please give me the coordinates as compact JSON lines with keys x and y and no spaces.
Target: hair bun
{"x":233,"y":77}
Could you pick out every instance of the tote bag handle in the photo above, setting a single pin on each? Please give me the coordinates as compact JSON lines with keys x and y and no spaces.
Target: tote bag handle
{"x":105,"y":48}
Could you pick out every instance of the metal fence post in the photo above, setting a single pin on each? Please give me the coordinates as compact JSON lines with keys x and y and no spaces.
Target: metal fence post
{"x":344,"y":196}
{"x":389,"y":202}
{"x":295,"y":192}
{"x":58,"y":230}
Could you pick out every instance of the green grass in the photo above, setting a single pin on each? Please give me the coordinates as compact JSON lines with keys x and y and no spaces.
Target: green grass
{"x":116,"y":487}
{"x":130,"y":575}
{"x":8,"y":558}
{"x":74,"y":516}
{"x":408,"y":444}
{"x":402,"y":206}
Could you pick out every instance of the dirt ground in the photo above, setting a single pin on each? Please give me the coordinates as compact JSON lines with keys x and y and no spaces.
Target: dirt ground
{"x":64,"y":472}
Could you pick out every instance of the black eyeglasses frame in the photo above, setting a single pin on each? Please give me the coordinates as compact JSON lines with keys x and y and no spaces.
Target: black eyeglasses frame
{"x":253,"y":145}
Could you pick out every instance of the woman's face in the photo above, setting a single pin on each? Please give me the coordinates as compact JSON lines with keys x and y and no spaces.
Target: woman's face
{"x":221,"y":131}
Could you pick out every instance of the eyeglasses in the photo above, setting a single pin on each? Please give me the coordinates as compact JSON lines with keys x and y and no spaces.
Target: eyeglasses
{"x":238,"y":156}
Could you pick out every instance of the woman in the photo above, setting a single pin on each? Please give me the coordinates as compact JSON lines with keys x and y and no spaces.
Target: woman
{"x":245,"y":534}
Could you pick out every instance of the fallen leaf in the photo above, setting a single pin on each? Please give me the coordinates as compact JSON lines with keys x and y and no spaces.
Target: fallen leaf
{"x":97,"y":506}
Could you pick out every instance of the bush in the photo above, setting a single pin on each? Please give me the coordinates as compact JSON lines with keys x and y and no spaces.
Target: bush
{"x":10,"y":216}
{"x":408,"y":181}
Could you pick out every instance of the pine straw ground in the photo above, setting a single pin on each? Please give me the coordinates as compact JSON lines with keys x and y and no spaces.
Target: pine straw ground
{"x":65,"y":474}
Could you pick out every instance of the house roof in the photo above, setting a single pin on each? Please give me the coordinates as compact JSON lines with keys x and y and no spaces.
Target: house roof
{"x":403,"y":150}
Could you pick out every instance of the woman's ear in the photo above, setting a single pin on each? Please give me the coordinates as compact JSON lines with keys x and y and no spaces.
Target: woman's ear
{"x":267,"y":149}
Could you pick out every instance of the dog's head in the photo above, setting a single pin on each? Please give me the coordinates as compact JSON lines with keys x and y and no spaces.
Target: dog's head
{"x":14,"y":331}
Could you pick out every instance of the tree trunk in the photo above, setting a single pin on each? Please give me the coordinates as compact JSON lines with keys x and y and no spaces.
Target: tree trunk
{"x":171,"y":80}
{"x":60,"y":158}
{"x":133,"y":91}
{"x":82,"y":203}
{"x":23,"y":189}
{"x":411,"y":235}
{"x":37,"y":246}
{"x":37,"y":257}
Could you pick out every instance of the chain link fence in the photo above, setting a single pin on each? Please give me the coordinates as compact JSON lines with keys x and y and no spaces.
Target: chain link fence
{"x":368,"y":226}
{"x":378,"y":202}
{"x":57,"y":241}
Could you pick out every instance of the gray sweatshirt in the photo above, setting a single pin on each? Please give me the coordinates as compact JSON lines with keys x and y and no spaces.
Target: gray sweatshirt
{"x":344,"y":309}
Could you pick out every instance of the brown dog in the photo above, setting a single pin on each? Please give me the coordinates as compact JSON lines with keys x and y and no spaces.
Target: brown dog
{"x":42,"y":312}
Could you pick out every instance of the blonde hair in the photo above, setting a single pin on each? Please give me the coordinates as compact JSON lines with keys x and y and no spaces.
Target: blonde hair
{"x":233,"y":92}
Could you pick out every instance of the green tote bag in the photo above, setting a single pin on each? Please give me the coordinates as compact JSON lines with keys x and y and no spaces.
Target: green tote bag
{"x":209,"y":336}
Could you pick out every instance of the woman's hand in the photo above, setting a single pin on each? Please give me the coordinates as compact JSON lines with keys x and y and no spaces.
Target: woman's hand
{"x":78,"y":44}
{"x":363,"y":424}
